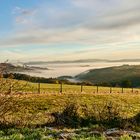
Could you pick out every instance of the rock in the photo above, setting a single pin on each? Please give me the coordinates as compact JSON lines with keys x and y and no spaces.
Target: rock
{"x":49,"y":128}
{"x":114,"y":132}
{"x":112,"y":138}
{"x":96,"y":133}
{"x":67,"y":136}
{"x":47,"y":137}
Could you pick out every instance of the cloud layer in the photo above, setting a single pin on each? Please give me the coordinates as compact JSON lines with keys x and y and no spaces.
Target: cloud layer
{"x":91,"y":23}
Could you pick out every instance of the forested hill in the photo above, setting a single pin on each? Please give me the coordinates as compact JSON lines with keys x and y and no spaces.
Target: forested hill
{"x":110,"y":75}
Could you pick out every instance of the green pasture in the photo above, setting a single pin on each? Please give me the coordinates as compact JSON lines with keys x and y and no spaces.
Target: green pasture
{"x":129,"y":104}
{"x":31,"y":114}
{"x":18,"y":86}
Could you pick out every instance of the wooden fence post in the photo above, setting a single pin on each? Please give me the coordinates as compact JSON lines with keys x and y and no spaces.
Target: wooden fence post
{"x":39,"y":88}
{"x":61,"y":88}
{"x":110,"y":89}
{"x":97,"y":89}
{"x":81,"y":88}
{"x":10,"y":88}
{"x":132,"y":89}
{"x":122,"y":90}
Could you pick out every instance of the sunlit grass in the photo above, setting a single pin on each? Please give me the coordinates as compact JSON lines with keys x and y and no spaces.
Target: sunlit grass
{"x":53,"y":102}
{"x":19,"y":86}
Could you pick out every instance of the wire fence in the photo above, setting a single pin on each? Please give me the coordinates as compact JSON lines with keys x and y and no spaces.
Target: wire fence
{"x":43,"y":88}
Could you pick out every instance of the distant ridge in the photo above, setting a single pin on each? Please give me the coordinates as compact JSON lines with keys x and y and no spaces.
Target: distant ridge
{"x":81,"y":61}
{"x":9,"y":67}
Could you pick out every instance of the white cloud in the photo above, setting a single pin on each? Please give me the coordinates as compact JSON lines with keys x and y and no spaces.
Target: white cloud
{"x":82,"y":22}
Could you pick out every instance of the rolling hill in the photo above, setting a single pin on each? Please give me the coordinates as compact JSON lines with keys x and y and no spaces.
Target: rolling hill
{"x":115,"y":74}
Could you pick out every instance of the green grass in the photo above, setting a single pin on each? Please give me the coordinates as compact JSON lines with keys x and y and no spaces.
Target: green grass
{"x":33,"y":115}
{"x":44,"y":134}
{"x":28,"y":87}
{"x":53,"y":134}
{"x":41,"y":104}
{"x":61,"y":99}
{"x":34,"y":110}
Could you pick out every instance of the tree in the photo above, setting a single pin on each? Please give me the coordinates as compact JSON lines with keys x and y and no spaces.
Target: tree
{"x":126,"y":83}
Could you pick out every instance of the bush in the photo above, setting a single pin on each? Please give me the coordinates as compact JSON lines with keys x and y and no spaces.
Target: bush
{"x":110,"y":115}
{"x":68,"y":117}
{"x":107,"y":114}
{"x":8,"y":106}
{"x":137,"y":119}
{"x":74,"y":115}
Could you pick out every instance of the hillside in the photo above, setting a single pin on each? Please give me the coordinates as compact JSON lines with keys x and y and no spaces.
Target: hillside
{"x":112,"y":75}
{"x":8,"y":67}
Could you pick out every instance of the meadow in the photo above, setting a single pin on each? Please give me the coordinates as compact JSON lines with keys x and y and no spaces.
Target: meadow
{"x":58,"y":111}
{"x":20,"y":86}
{"x":48,"y":116}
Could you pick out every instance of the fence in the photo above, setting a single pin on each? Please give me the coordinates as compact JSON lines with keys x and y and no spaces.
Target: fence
{"x":42,"y":88}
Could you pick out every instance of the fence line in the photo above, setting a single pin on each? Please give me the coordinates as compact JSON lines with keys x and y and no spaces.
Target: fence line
{"x":39,"y":88}
{"x":80,"y":88}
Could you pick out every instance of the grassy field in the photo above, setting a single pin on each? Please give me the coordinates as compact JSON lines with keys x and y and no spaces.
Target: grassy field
{"x":49,"y":115}
{"x":33,"y":117}
{"x":28,"y":87}
{"x":70,"y":89}
{"x":41,"y":104}
{"x":54,"y":102}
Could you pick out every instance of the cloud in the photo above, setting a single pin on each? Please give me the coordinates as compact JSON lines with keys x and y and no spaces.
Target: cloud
{"x":24,"y":15}
{"x":92,"y":23}
{"x":104,"y":14}
{"x":109,"y":14}
{"x":22,"y":11}
{"x":79,"y":36}
{"x":12,"y":55}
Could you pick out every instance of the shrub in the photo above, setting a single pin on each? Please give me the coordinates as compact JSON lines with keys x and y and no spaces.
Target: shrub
{"x":137,"y":119}
{"x":110,"y":115}
{"x":8,"y":106}
{"x":107,"y":114}
{"x":74,"y":115}
{"x":68,"y":117}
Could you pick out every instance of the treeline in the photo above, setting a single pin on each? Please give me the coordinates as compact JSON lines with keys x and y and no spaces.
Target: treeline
{"x":124,"y":83}
{"x":34,"y":79}
{"x":19,"y":76}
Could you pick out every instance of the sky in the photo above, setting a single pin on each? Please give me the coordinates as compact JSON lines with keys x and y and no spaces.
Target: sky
{"x":48,"y":30}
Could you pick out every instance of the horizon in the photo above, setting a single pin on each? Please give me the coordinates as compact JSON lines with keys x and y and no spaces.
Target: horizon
{"x":69,"y":30}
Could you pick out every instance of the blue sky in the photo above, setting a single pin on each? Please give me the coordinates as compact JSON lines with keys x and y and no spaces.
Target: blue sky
{"x":45,"y":30}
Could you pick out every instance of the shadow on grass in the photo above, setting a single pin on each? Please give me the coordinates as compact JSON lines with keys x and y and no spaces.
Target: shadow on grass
{"x":78,"y":116}
{"x":107,"y":116}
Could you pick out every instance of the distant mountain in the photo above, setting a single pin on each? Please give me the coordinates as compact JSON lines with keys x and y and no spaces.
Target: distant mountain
{"x":80,"y":61}
{"x":8,"y":67}
{"x":112,"y":75}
